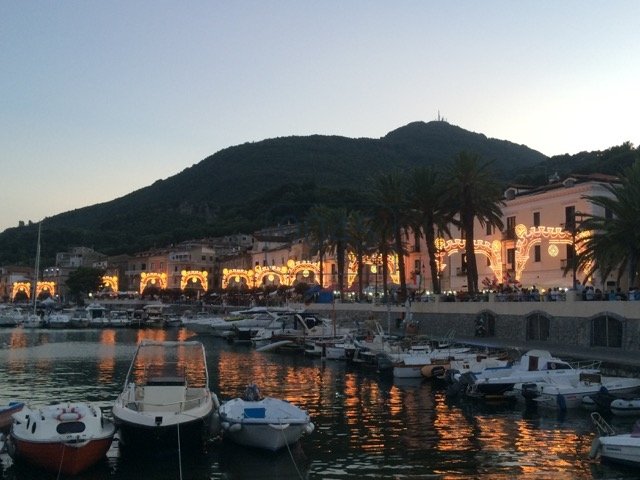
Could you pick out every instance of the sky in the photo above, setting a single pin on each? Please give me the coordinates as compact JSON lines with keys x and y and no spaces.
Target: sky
{"x":99,"y":99}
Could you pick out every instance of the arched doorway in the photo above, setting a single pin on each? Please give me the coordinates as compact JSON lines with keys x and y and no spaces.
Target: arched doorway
{"x":606,"y":331}
{"x":538,"y":326}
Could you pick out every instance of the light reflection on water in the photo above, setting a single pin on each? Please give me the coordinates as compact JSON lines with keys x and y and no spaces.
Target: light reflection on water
{"x":366,"y":426}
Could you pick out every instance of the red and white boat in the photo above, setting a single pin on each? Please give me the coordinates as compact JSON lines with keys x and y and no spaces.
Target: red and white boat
{"x":65,"y":438}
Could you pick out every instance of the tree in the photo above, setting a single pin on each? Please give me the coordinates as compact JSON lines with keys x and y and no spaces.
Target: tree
{"x":337,"y":241}
{"x":613,"y":239}
{"x":317,"y":231}
{"x":473,"y":193}
{"x":84,"y":280}
{"x":359,"y":240}
{"x":430,"y":217}
{"x":391,"y":218}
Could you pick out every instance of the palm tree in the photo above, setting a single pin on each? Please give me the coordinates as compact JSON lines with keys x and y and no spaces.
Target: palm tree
{"x":391,"y":220}
{"x":426,"y":196}
{"x":473,"y":193}
{"x":613,"y":241}
{"x":337,"y":241}
{"x":359,"y":239}
{"x":317,"y":231}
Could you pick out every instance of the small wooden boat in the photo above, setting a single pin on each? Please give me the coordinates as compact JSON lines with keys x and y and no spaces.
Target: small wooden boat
{"x":66,"y":438}
{"x":267,"y":423}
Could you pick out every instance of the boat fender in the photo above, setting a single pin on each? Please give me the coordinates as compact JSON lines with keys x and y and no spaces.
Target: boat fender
{"x":595,"y":448}
{"x":562,"y":403}
{"x":279,"y":426}
{"x":236,"y":427}
{"x":309,"y":428}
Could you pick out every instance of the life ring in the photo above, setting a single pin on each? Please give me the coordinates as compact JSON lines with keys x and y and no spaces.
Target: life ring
{"x":69,"y":415}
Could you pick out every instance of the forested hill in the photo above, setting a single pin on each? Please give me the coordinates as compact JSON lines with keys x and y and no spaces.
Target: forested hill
{"x":249,"y":186}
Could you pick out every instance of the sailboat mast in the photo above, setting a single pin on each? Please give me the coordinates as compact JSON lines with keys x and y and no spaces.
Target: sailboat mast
{"x":37,"y":270}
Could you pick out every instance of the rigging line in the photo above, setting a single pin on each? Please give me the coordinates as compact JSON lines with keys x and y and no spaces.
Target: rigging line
{"x":295,"y":465}
{"x":179,"y":452}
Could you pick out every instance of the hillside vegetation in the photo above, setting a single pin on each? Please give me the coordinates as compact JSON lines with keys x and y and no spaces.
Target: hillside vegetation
{"x":250,"y":186}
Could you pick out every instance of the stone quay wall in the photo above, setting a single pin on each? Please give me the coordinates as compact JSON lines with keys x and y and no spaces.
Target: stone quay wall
{"x":570,"y":320}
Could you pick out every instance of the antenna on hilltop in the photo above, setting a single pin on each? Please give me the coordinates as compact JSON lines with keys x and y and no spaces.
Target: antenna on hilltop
{"x":441,"y":119}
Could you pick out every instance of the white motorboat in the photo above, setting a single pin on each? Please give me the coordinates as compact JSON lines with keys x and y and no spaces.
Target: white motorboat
{"x":425,"y":361}
{"x":533,"y":366}
{"x":119,"y":318}
{"x":58,"y":320}
{"x":11,"y":316}
{"x":618,"y":448}
{"x":263,"y":422}
{"x":568,"y":391}
{"x":65,"y":438}
{"x":166,"y":397}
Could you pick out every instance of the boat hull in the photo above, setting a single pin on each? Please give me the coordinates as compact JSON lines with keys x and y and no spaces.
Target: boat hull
{"x":623,"y":449}
{"x":68,"y":458}
{"x":268,"y":437}
{"x":150,"y":439}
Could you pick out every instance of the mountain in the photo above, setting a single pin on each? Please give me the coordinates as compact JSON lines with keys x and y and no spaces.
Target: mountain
{"x":253,"y":185}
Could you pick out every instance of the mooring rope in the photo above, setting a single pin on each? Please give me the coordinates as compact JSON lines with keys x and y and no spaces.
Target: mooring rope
{"x":179,"y":451}
{"x":61,"y":460}
{"x":295,"y":465}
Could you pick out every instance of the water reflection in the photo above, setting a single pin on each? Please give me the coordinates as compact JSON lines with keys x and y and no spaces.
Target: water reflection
{"x":366,"y":426}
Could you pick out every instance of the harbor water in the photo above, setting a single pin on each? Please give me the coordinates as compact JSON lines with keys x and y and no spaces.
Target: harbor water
{"x":367,"y":426}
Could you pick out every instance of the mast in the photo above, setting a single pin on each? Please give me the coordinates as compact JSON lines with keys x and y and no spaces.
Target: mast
{"x":37,"y":270}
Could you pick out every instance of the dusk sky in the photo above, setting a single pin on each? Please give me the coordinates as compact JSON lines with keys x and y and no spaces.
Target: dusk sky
{"x":100,"y":98}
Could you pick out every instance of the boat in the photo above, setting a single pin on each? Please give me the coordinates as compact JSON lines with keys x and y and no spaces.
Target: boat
{"x":424,"y":361}
{"x":153,"y":316}
{"x":66,"y":438}
{"x":611,"y":446}
{"x":11,"y":316}
{"x":263,"y":422}
{"x":625,"y":407}
{"x":6,"y":414}
{"x":166,"y":402}
{"x":533,"y":366}
{"x":58,"y":320}
{"x":567,"y":392}
{"x":119,"y":318}
{"x":34,"y":319}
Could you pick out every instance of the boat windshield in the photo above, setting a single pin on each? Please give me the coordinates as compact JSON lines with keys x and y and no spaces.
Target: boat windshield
{"x":170,"y":363}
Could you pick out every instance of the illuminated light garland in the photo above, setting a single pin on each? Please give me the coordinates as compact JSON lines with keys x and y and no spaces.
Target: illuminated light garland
{"x":110,"y":281}
{"x":194,"y":276}
{"x":153,"y":278}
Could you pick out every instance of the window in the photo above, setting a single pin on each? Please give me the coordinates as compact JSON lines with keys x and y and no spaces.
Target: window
{"x":489,"y":229}
{"x":569,"y":217}
{"x":143,"y":266}
{"x":536,"y":219}
{"x":536,"y":253}
{"x":204,"y":258}
{"x":511,"y":258}
{"x":606,"y":332}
